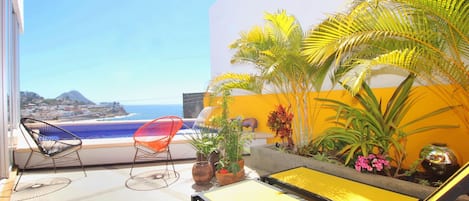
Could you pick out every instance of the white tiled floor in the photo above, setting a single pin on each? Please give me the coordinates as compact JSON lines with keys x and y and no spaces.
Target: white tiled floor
{"x":109,"y":183}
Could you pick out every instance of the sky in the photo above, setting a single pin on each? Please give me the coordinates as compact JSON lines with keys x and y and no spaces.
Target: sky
{"x":130,"y":51}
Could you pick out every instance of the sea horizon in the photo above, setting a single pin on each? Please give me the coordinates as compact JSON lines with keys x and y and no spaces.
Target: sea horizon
{"x":149,"y":111}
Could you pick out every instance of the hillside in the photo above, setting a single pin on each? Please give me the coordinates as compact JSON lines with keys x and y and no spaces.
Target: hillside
{"x":74,"y":96}
{"x":69,"y":106}
{"x":67,"y":98}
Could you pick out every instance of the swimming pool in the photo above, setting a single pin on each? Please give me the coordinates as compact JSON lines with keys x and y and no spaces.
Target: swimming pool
{"x":113,"y":129}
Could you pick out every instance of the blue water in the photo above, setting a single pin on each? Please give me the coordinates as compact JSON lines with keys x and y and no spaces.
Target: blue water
{"x":148,"y":112}
{"x":94,"y":131}
{"x":136,"y":112}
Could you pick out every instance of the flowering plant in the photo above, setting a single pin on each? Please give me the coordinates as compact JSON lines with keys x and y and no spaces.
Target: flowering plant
{"x":371,"y":163}
{"x":280,"y":121}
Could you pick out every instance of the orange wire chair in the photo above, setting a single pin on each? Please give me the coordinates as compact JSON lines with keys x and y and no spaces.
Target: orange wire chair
{"x":153,"y":138}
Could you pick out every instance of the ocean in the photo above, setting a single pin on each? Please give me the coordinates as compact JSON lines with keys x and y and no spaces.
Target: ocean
{"x":148,"y":112}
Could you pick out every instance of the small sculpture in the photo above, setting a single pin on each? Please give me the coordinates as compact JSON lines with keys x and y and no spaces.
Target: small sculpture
{"x":249,"y":123}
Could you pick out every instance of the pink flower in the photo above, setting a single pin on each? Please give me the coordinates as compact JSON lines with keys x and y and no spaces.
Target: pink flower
{"x":371,"y":163}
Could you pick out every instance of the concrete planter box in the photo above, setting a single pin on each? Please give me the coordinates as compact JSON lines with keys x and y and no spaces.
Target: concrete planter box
{"x":270,"y":160}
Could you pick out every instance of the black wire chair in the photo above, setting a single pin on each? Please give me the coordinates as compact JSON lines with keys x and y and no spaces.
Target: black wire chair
{"x":51,"y":142}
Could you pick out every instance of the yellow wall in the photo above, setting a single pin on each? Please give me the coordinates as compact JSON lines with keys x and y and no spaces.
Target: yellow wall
{"x":259,"y":106}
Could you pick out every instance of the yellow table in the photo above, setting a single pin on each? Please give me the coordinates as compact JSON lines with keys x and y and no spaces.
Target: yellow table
{"x":329,"y":187}
{"x":243,"y":191}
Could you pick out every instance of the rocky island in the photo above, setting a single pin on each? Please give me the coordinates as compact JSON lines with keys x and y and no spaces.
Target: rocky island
{"x":69,"y":106}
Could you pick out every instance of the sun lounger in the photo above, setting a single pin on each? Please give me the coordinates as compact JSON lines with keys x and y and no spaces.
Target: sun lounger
{"x":323,"y":186}
{"x":245,"y":190}
{"x":314,"y":184}
{"x":303,"y":183}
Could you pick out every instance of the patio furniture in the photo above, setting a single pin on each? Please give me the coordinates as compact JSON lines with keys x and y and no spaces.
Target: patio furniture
{"x":200,"y":124}
{"x":202,"y":117}
{"x":245,"y":190}
{"x":314,"y":184}
{"x":151,"y":140}
{"x":51,"y":142}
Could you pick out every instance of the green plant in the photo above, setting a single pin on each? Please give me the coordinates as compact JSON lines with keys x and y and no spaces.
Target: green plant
{"x":274,"y":50}
{"x":326,"y":158}
{"x":232,"y":140}
{"x":370,"y":129}
{"x":424,"y":182}
{"x":424,"y":37}
{"x":204,"y":141}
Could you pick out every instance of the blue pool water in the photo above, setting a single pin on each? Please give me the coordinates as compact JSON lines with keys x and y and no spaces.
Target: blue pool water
{"x":94,"y":131}
{"x":104,"y":128}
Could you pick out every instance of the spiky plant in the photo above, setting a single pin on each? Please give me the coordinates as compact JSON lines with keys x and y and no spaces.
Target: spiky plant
{"x":428,"y":38}
{"x":373,"y":128}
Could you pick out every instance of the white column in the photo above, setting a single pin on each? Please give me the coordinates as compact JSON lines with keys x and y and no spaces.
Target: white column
{"x":4,"y":152}
{"x":14,"y":72}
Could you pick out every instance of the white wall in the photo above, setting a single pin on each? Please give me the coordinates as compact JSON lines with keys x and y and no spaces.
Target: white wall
{"x":228,"y":18}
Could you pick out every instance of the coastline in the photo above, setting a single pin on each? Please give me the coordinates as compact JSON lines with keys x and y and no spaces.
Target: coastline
{"x":133,"y":113}
{"x":84,"y":120}
{"x":117,"y":117}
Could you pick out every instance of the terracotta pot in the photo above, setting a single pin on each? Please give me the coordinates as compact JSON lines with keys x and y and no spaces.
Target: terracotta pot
{"x":229,"y":178}
{"x":241,"y":164}
{"x":202,"y":172}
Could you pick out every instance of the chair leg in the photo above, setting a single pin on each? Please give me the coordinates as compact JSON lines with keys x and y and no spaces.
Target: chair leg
{"x":81,"y":163}
{"x":135,"y":158}
{"x":24,"y":168}
{"x":172,"y":162}
{"x":55,"y":167}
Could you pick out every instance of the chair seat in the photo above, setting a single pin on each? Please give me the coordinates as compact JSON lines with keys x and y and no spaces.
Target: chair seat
{"x":150,"y":148}
{"x":60,"y":149}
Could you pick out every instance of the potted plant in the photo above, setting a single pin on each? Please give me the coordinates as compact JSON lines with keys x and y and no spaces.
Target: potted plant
{"x":230,"y":167}
{"x":280,"y":121}
{"x":205,"y":142}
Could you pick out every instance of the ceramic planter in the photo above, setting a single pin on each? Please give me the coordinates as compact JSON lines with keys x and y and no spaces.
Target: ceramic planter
{"x":229,"y":178}
{"x":202,"y":172}
{"x":439,"y":160}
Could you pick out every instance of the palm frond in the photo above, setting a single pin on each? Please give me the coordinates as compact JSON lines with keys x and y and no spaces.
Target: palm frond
{"x":230,"y":81}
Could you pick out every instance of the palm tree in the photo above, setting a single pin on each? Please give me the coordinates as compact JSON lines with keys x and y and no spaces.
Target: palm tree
{"x":429,"y":38}
{"x":275,"y":50}
{"x":228,"y":81}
